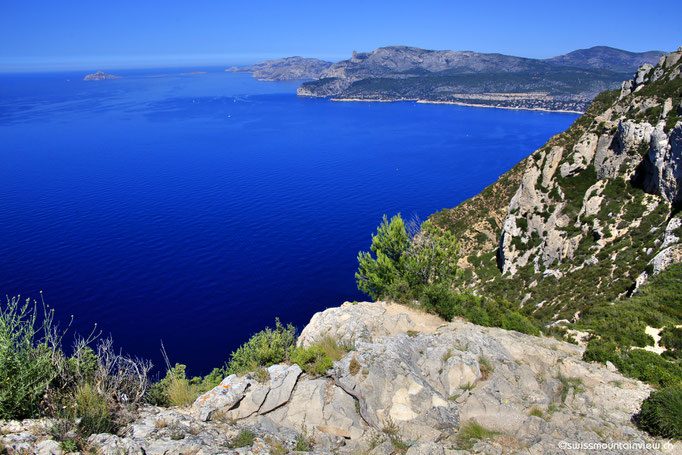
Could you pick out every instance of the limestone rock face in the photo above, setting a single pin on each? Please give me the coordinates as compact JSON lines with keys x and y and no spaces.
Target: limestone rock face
{"x":226,"y":395}
{"x":576,"y":197}
{"x":416,"y":379}
{"x":347,"y":326}
{"x":663,"y":164}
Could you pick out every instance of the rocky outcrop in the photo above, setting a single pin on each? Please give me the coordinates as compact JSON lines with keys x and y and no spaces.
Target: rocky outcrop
{"x":410,"y":380}
{"x":100,"y":76}
{"x":662,"y":166}
{"x":283,"y":69}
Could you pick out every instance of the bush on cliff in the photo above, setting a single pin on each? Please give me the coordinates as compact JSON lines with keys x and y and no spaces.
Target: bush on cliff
{"x":405,"y":258}
{"x":265,"y":348}
{"x":30,"y":358}
{"x":636,"y":363}
{"x":440,"y":299}
{"x":175,"y":389}
{"x":95,"y":387}
{"x":661,"y":413}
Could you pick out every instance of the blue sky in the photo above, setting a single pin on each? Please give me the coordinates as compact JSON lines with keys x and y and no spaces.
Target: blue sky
{"x":67,"y":34}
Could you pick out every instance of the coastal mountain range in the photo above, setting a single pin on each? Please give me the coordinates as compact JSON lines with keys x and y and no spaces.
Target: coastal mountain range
{"x":566,"y":82}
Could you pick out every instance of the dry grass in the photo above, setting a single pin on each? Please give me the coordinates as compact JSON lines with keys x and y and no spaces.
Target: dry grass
{"x":354,"y":366}
{"x":334,"y":349}
{"x":486,"y":368}
{"x":161,"y":423}
{"x":181,"y":393}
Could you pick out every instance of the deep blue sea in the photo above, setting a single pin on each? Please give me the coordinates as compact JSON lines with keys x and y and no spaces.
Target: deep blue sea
{"x":195,"y":209}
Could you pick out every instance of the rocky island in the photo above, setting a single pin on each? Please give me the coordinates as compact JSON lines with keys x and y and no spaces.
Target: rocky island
{"x":100,"y":76}
{"x":283,"y":69}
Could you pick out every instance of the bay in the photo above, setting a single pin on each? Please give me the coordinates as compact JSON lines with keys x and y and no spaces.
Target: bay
{"x":194,"y":209}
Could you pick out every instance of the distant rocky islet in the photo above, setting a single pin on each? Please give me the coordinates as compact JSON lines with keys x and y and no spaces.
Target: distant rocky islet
{"x":100,"y":76}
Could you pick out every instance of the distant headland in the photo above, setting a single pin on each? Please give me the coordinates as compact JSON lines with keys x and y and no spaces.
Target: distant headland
{"x":398,"y":73}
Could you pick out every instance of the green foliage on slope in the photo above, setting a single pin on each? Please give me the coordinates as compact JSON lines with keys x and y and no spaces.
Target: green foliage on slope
{"x":265,"y":348}
{"x":30,"y":359}
{"x":402,"y":263}
{"x":661,"y":413}
{"x":619,"y":330}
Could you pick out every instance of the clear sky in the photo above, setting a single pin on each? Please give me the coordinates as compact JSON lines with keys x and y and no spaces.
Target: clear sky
{"x":69,"y":34}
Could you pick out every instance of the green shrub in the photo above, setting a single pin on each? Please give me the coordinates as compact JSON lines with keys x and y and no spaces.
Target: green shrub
{"x":661,"y":413}
{"x":472,"y":431}
{"x":393,"y":432}
{"x":263,"y":349}
{"x":313,"y":359}
{"x":446,"y":303}
{"x":244,"y":439}
{"x":95,"y":416}
{"x":319,"y":357}
{"x":439,"y":299}
{"x":600,"y":351}
{"x":176,"y":390}
{"x":37,"y":378}
{"x":376,"y":273}
{"x":636,"y":363}
{"x":402,"y":260}
{"x":649,"y":367}
{"x":30,"y":357}
{"x":303,"y":442}
{"x":671,"y":338}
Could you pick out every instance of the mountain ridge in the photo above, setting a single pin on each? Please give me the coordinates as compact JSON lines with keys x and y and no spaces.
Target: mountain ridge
{"x":398,"y":73}
{"x":609,"y":58}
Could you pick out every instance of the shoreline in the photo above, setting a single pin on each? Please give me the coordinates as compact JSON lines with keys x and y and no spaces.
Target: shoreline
{"x":458,"y":103}
{"x":539,"y":109}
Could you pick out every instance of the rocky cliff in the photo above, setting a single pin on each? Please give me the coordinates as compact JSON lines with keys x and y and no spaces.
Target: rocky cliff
{"x":400,"y":72}
{"x":597,"y":204}
{"x":290,"y":68}
{"x":411,"y":383}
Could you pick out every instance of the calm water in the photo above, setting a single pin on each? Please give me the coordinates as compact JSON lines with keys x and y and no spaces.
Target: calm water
{"x":195,"y":209}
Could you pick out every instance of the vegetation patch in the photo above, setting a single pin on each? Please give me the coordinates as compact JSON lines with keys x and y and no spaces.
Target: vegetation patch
{"x":470,"y":432}
{"x":265,"y":348}
{"x":660,"y":413}
{"x":245,"y":438}
{"x":319,"y":357}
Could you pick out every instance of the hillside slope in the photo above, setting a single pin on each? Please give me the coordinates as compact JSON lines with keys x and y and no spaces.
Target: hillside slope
{"x":592,"y":214}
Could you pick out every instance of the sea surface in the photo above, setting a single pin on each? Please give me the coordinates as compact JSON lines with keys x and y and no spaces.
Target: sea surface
{"x":194,"y":209}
